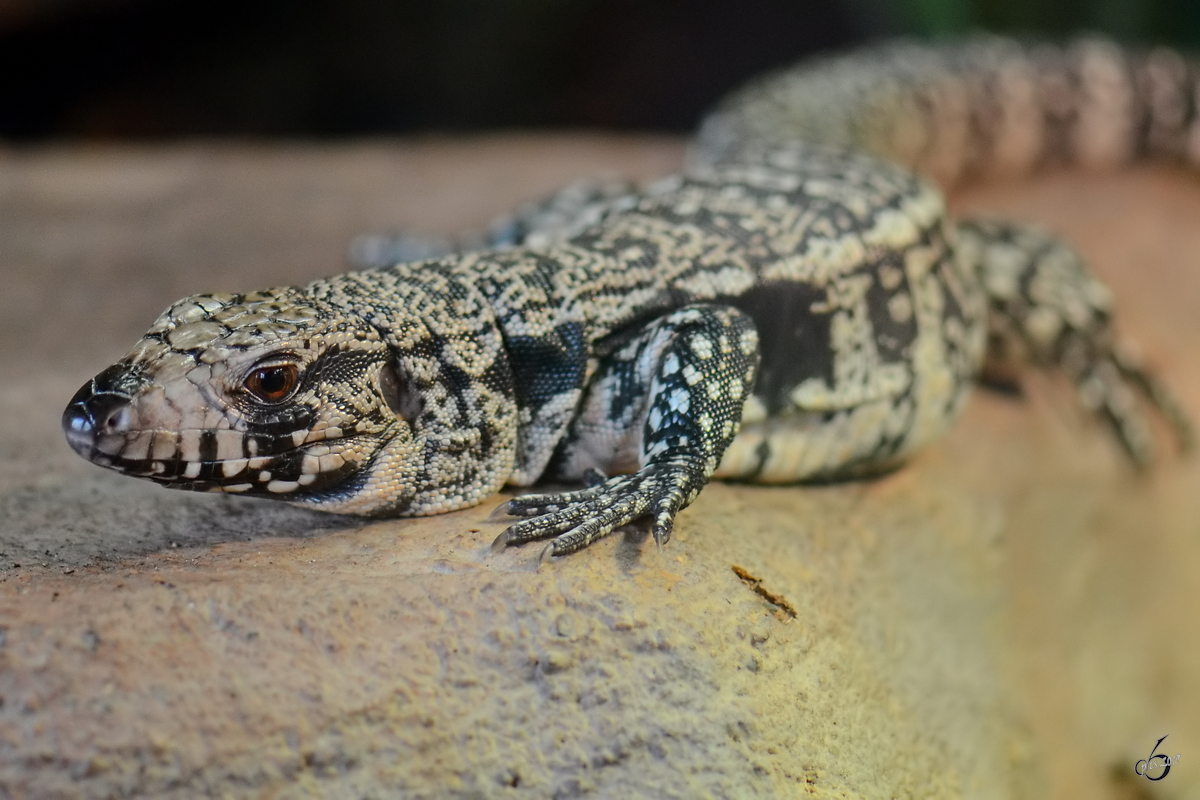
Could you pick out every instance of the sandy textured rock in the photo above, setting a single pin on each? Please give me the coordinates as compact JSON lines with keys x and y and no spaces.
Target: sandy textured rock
{"x":1009,"y":616}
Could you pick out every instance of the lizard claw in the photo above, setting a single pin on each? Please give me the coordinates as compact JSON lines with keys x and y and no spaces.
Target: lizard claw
{"x":499,"y":513}
{"x":574,"y":520}
{"x":661,"y":530}
{"x":500,"y":543}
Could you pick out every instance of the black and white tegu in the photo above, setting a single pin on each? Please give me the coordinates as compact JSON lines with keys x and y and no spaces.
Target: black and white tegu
{"x":795,"y":305}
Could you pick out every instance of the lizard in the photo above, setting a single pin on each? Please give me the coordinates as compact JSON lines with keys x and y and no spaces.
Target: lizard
{"x":796,"y":305}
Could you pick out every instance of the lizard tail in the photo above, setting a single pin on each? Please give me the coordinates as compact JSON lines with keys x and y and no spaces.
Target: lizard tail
{"x":976,"y":108}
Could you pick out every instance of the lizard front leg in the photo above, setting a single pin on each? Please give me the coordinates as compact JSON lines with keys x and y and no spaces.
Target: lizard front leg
{"x":666,"y":404}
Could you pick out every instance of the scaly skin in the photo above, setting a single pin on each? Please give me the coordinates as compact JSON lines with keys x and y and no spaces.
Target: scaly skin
{"x":795,"y":306}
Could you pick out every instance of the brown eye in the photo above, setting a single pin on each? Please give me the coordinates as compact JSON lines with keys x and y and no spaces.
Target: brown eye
{"x":274,"y":383}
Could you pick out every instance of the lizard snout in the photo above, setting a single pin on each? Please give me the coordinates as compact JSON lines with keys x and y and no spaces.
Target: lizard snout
{"x":103,"y":407}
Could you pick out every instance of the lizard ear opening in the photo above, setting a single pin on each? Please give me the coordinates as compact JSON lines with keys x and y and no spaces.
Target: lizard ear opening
{"x":397,"y":391}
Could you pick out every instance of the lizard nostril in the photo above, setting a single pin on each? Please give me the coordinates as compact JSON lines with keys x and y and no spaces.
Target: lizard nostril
{"x":92,"y":414}
{"x":115,"y":418}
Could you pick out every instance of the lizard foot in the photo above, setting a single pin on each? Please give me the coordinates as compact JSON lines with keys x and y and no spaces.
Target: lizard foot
{"x":574,"y":520}
{"x":1108,"y":385}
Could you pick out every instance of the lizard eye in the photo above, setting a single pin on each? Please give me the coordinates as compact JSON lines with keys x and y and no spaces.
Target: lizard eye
{"x":273,"y":383}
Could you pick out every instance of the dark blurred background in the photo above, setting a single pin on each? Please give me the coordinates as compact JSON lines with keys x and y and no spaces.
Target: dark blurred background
{"x":112,"y":69}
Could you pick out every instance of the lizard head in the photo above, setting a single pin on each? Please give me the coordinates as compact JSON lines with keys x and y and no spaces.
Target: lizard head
{"x":273,"y":393}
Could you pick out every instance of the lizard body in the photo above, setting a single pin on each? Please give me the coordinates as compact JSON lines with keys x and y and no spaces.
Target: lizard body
{"x":796,"y":305}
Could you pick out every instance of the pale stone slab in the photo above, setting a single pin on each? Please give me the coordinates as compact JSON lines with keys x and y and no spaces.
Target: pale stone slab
{"x":1009,"y":616}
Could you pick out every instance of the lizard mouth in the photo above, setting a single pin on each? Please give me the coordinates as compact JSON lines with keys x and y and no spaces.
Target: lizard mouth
{"x":101,"y":425}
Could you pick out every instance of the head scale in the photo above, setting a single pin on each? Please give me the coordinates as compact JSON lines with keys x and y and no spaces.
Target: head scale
{"x":283,"y":393}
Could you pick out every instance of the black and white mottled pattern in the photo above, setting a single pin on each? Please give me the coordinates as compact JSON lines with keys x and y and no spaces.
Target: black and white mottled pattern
{"x":794,"y":306}
{"x":664,"y":408}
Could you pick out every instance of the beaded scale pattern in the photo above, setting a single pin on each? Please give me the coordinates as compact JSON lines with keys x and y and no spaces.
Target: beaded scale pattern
{"x":795,"y":306}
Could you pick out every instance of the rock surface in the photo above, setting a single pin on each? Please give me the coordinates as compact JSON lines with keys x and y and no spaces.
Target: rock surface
{"x":1011,"y":615}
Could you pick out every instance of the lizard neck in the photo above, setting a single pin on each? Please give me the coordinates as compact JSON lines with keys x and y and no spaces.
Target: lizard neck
{"x":459,"y":440}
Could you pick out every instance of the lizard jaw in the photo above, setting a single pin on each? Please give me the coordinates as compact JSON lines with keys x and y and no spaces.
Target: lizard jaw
{"x":104,"y":424}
